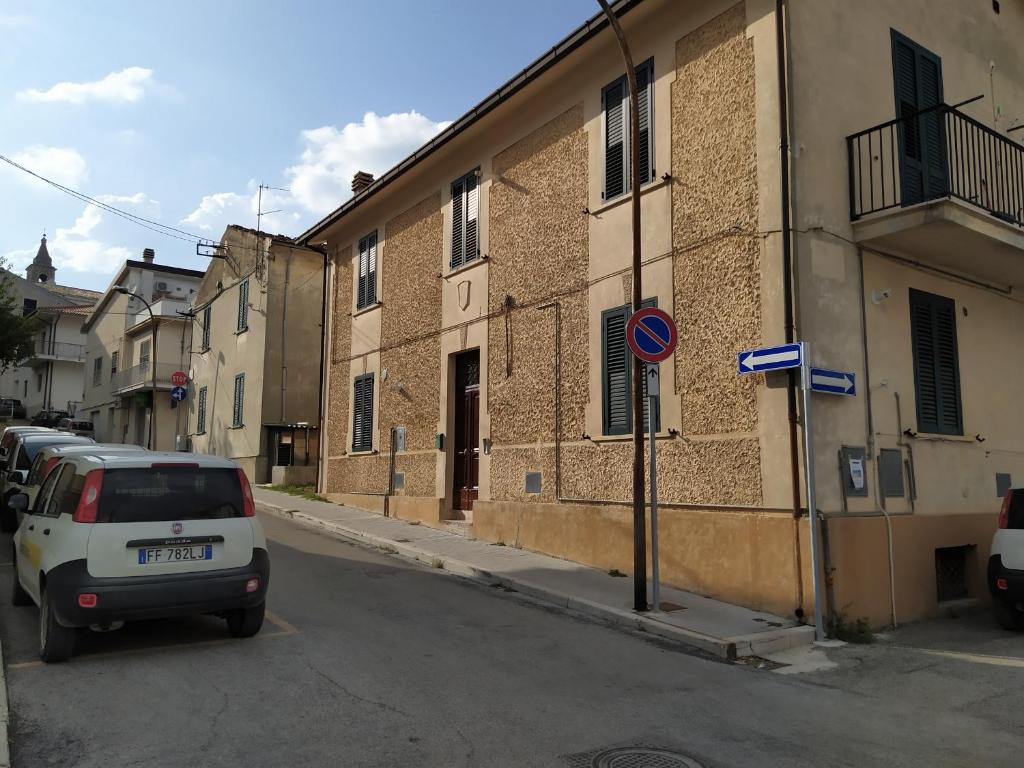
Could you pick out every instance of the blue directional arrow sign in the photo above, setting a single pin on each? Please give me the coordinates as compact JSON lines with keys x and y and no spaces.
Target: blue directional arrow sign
{"x":178,"y":393}
{"x":770,"y":358}
{"x":833,"y":382}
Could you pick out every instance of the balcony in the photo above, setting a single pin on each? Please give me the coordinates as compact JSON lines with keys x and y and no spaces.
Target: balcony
{"x":139,"y":377}
{"x":163,"y":309}
{"x":56,"y":350}
{"x":941,"y":187}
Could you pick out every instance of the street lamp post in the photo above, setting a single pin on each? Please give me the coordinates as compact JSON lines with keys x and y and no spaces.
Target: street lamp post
{"x":152,"y":361}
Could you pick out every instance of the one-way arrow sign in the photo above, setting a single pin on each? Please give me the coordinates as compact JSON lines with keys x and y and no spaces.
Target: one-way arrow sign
{"x":770,"y":358}
{"x":833,"y":382}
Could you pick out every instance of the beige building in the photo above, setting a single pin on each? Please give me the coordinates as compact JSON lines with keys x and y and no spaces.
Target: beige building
{"x":254,"y":394}
{"x":125,"y":348}
{"x":51,"y":377}
{"x":479,"y":290}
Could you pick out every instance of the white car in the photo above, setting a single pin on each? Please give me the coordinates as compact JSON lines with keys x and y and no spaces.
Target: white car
{"x":15,"y":468}
{"x":1006,"y":562}
{"x":49,"y":456}
{"x":119,"y":537}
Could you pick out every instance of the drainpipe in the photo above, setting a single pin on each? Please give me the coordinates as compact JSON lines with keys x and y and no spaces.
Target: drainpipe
{"x":558,"y":394}
{"x":788,"y":277}
{"x":321,"y":457}
{"x":284,"y":327}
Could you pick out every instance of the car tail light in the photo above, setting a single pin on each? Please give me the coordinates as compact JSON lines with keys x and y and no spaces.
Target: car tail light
{"x":252,"y":584}
{"x":1004,"y":512}
{"x":88,"y":600}
{"x":89,"y":501}
{"x":49,"y":464}
{"x":1002,"y":584}
{"x":248,"y":505}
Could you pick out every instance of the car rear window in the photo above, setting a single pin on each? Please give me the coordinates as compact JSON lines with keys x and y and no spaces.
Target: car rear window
{"x":157,"y":494}
{"x":81,"y":425}
{"x":1015,"y":514}
{"x":32,"y":447}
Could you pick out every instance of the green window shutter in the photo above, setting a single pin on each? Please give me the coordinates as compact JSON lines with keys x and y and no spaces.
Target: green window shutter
{"x":917,"y":84}
{"x":366,"y":292}
{"x":936,"y":363}
{"x":206,"y":326}
{"x":237,"y":411}
{"x":465,"y":226}
{"x":614,"y":100}
{"x":362,"y":413}
{"x":615,"y":107}
{"x":243,"y":305}
{"x":617,"y":374}
{"x":201,"y":411}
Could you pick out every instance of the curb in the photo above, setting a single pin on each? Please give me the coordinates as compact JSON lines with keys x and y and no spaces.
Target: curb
{"x":5,"y":714}
{"x":724,"y":648}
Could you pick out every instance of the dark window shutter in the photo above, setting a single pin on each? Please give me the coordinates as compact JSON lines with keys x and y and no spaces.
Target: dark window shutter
{"x":236,"y":416}
{"x":458,"y":235}
{"x":936,"y":363}
{"x":617,"y":373}
{"x":243,"y":305}
{"x":366,"y":289}
{"x":362,"y":413}
{"x":472,"y":247}
{"x":206,"y":327}
{"x":917,"y":83}
{"x":614,"y":103}
{"x":201,"y":411}
{"x":645,"y":98}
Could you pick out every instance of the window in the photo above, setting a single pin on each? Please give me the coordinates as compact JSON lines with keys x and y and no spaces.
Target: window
{"x":917,"y":75}
{"x":465,"y":230}
{"x":366,"y":293}
{"x":236,"y":413}
{"x":28,"y":306}
{"x":615,"y":105}
{"x":114,"y":358}
{"x":617,"y":374}
{"x":144,"y":349}
{"x":243,"y":306}
{"x":362,"y":413}
{"x":97,"y":371}
{"x":936,"y":363}
{"x":206,"y":327}
{"x":201,"y":412}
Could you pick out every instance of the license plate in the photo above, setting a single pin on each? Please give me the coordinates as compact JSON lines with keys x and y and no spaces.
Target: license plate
{"x":175,"y":554}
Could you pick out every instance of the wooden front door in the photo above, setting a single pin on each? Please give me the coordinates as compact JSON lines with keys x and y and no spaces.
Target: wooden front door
{"x":467,"y":430}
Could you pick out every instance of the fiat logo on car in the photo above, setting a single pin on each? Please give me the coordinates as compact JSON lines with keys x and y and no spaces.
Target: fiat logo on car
{"x":176,"y":528}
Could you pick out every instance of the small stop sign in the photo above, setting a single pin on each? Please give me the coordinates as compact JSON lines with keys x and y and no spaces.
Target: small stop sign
{"x":179,"y":378}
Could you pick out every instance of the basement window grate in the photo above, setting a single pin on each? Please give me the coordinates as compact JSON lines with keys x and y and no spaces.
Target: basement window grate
{"x":951,"y":573}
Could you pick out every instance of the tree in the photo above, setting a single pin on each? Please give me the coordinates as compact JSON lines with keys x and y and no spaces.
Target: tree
{"x":16,"y":331}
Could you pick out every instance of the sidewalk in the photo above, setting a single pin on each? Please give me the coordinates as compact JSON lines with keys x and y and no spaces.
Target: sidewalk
{"x":712,"y":626}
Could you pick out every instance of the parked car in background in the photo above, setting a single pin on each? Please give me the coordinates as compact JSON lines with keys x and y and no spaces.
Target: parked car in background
{"x":115,"y":538}
{"x":47,"y":457}
{"x":20,"y":455}
{"x":49,"y":418}
{"x":11,"y":408}
{"x":8,"y":434}
{"x":77,"y":427}
{"x":1006,"y":562}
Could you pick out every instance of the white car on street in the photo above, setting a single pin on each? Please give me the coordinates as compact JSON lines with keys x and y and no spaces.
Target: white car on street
{"x":1006,"y":562}
{"x":115,"y":537}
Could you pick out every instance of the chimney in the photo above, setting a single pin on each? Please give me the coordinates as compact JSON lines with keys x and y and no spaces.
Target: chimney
{"x":148,"y":254}
{"x":361,"y":181}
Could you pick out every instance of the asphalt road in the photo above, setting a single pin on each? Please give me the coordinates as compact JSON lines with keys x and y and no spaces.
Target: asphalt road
{"x":368,"y":660}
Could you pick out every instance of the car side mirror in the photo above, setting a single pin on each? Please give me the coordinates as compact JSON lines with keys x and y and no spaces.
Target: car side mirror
{"x":19,"y":476}
{"x":18,"y":502}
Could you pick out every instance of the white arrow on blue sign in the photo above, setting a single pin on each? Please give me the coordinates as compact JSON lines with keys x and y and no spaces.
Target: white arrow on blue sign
{"x":178,"y":393}
{"x":833,"y":382}
{"x":770,"y":358}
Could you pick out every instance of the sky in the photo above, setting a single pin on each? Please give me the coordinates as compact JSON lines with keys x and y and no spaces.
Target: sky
{"x":176,"y":112}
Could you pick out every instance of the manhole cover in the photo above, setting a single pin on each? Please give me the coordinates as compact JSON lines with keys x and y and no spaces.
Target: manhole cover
{"x":642,"y":757}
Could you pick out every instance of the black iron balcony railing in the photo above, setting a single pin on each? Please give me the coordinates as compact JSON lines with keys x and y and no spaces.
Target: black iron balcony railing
{"x":936,"y":153}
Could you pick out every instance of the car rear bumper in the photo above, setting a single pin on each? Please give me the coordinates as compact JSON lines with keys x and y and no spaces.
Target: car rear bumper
{"x":1014,"y":579}
{"x":153,"y":597}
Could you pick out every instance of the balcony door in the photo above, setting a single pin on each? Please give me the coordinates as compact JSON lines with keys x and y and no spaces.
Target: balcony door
{"x":917,"y":75}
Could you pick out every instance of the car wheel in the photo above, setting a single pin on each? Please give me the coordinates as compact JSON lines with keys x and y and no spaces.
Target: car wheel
{"x":246,"y":622}
{"x":18,"y":594}
{"x":56,"y":642}
{"x":1008,"y":616}
{"x":8,"y":517}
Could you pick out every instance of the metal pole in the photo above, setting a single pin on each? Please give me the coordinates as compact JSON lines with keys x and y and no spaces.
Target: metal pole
{"x":812,"y":509}
{"x":639,"y":516}
{"x":652,"y":401}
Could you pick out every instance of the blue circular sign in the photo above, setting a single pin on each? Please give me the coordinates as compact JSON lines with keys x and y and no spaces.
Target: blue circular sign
{"x":179,"y":393}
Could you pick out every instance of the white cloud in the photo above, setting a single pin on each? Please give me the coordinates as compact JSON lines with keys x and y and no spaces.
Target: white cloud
{"x":76,"y":248}
{"x":129,"y":85}
{"x":331,"y":156}
{"x":16,"y":261}
{"x":61,"y":164}
{"x":322,"y":179}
